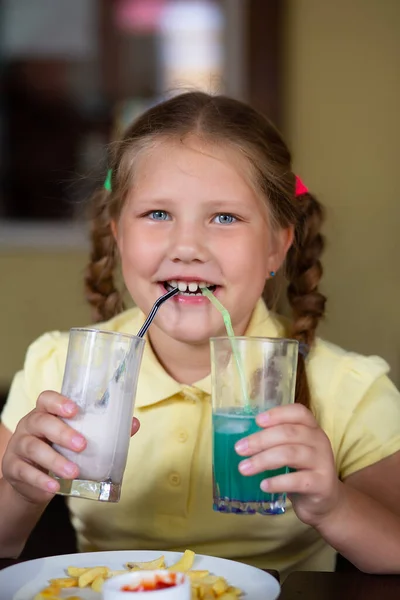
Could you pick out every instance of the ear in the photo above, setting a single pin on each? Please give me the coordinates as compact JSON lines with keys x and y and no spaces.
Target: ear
{"x":283,"y":239}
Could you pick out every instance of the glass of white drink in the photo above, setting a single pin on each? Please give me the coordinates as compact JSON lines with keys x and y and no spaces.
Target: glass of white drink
{"x":101,"y":375}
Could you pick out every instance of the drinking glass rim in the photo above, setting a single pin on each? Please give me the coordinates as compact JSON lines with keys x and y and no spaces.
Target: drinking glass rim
{"x":251,"y":338}
{"x":107,"y":331}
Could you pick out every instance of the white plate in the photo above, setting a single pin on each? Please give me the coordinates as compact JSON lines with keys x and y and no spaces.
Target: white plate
{"x":24,"y":580}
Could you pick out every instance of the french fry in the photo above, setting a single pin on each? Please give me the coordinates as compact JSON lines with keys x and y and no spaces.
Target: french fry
{"x":97,"y":583}
{"x":116,"y":572}
{"x":209,"y":580}
{"x":150,"y":565}
{"x":228,"y":596}
{"x":65,"y":582}
{"x":202,"y":590}
{"x":73,"y":598}
{"x":234,"y":590}
{"x":90,"y":575}
{"x":185,"y":563}
{"x":220,"y":587}
{"x":49,"y":591}
{"x":195,"y":575}
{"x":76,"y":571}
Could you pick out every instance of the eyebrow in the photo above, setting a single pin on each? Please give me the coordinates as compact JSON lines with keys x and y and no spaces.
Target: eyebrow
{"x":159,"y":200}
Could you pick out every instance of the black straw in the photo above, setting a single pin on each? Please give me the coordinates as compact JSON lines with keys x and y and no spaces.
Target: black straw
{"x":154,"y":310}
{"x":105,"y":397}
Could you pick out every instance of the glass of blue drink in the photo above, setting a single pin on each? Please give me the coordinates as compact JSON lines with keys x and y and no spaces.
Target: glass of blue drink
{"x":249,"y":376}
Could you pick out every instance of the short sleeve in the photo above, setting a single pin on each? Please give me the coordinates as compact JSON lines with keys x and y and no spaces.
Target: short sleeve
{"x":43,"y":370}
{"x":369,"y":430}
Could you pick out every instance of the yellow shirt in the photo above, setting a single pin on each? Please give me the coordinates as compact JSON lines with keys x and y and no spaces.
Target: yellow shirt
{"x":166,"y":500}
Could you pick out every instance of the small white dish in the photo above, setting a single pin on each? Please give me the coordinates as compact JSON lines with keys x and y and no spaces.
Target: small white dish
{"x":179,"y":586}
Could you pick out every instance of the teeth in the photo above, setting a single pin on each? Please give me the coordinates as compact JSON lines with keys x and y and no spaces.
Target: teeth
{"x":189,"y":286}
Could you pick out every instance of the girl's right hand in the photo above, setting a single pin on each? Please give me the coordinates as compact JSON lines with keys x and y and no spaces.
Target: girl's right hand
{"x":29,"y":454}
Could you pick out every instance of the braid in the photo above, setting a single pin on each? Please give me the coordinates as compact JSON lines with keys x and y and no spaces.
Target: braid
{"x":100,"y":289}
{"x":304,"y":271}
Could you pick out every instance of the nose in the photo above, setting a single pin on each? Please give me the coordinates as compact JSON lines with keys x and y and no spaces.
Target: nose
{"x":188,"y":243}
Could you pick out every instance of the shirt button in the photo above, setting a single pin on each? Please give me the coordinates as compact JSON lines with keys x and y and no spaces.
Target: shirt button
{"x":174,"y":479}
{"x":182,"y":436}
{"x":191,"y":393}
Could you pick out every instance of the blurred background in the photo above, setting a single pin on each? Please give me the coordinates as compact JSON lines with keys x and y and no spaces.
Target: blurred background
{"x":73,"y":72}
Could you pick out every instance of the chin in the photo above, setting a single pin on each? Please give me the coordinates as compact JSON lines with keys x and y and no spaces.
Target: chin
{"x":190,"y":329}
{"x":193,"y":337}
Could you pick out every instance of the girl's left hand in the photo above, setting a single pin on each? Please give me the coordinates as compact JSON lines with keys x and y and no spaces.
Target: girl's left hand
{"x":291,"y":437}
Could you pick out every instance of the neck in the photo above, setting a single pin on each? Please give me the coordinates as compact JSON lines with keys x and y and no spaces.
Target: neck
{"x":186,"y":363}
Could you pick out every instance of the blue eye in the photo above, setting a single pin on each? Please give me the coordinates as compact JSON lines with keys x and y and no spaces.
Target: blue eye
{"x":225,"y":219}
{"x":159,"y":215}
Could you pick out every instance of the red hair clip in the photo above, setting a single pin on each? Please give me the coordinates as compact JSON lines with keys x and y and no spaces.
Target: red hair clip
{"x":300,"y":187}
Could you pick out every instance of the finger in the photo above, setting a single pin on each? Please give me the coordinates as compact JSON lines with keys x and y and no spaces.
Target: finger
{"x":56,"y":404}
{"x":135,"y":426}
{"x":27,"y":474}
{"x":43,"y":425}
{"x":43,"y":455}
{"x":291,"y":455}
{"x":290,"y":413}
{"x":276,"y":436}
{"x":299,"y":482}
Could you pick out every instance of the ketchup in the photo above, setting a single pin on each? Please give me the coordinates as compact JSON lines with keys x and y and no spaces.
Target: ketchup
{"x":159,"y":582}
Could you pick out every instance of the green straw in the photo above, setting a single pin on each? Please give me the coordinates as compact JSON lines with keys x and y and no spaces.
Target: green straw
{"x":225,"y":314}
{"x":231,"y":334}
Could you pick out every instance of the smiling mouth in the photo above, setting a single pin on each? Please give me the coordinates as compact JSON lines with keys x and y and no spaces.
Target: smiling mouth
{"x":189,"y":288}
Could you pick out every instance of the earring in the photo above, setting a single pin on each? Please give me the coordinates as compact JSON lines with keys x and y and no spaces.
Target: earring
{"x":272,"y":273}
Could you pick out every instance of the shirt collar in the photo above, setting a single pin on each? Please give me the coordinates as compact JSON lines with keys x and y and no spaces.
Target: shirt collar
{"x":155,"y":385}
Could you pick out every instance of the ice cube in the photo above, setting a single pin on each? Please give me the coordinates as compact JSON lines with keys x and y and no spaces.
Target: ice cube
{"x":232,"y":424}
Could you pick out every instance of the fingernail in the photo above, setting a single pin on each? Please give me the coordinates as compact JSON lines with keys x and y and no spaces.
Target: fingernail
{"x":264,"y":485}
{"x":245,"y":466}
{"x":52,"y":486}
{"x":69,"y":407}
{"x":69,"y":469}
{"x":262,"y":419}
{"x":242,"y":446}
{"x":78,"y":442}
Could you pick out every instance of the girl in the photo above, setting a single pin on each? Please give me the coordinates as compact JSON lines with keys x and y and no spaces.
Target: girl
{"x":202,"y":190}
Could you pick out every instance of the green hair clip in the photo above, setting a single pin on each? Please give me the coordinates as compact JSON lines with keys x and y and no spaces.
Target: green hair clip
{"x":107,"y":182}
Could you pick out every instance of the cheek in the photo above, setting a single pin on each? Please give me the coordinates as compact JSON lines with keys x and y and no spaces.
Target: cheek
{"x":138,"y":253}
{"x":137,"y":269}
{"x":246,"y":257}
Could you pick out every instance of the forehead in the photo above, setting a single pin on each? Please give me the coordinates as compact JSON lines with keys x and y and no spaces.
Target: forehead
{"x":192,"y":164}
